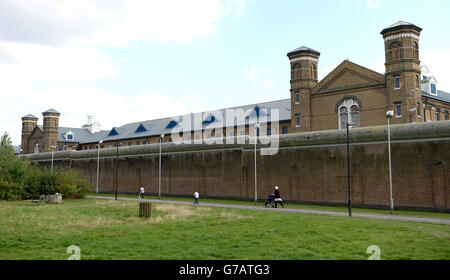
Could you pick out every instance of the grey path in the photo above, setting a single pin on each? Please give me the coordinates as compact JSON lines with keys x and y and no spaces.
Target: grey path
{"x":287,"y":210}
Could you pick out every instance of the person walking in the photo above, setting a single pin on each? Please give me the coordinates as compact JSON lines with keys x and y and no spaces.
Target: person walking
{"x":196,"y":197}
{"x":141,"y":192}
{"x":277,"y":197}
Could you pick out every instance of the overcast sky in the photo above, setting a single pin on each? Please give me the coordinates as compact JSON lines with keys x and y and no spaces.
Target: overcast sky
{"x":128,"y":61}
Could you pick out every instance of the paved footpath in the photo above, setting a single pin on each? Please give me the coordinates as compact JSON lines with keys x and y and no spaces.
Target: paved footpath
{"x":287,"y":210}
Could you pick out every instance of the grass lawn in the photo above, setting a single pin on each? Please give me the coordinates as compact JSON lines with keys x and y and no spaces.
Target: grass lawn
{"x":107,"y":229}
{"x":411,"y":213}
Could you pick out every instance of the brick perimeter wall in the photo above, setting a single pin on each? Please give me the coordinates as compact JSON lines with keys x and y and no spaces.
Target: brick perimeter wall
{"x":309,"y":167}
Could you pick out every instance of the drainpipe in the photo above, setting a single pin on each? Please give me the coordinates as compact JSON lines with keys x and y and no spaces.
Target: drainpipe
{"x":425,"y":110}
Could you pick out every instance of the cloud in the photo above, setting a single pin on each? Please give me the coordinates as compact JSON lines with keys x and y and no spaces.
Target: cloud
{"x":259,"y":76}
{"x":47,"y":47}
{"x":111,"y":22}
{"x":437,"y":62}
{"x":29,"y":63}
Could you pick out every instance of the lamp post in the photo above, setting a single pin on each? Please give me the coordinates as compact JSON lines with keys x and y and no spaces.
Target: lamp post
{"x":161,"y":137}
{"x":257,"y":125}
{"x":51,"y":168}
{"x":389,"y":115}
{"x":117,"y":169}
{"x":98,"y":164}
{"x":349,"y":124}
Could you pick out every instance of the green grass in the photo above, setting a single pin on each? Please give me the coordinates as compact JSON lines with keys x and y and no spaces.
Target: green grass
{"x":108,"y":229}
{"x":410,"y":213}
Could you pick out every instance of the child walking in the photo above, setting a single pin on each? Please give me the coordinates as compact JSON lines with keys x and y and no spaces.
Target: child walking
{"x":196,"y":197}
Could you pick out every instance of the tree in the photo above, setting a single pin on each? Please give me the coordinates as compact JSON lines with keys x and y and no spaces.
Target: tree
{"x":6,"y":149}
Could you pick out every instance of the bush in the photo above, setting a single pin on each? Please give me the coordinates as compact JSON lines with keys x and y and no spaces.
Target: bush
{"x":9,"y":191}
{"x":22,"y":180}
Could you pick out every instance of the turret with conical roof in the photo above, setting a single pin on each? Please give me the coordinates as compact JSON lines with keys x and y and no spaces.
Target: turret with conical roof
{"x":303,"y":62}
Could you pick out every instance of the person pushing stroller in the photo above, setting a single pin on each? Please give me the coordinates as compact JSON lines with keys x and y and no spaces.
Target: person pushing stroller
{"x":277,"y":197}
{"x":274,"y":199}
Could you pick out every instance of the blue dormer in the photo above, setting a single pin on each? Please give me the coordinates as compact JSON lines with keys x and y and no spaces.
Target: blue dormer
{"x":172,"y":124}
{"x":258,"y":111}
{"x":210,"y":119}
{"x":113,"y":132}
{"x":141,"y":128}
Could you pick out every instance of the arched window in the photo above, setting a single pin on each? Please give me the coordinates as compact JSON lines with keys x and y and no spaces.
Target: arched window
{"x":415,"y":50}
{"x":395,"y":51}
{"x":314,"y":69}
{"x":36,"y":147}
{"x":349,"y":109}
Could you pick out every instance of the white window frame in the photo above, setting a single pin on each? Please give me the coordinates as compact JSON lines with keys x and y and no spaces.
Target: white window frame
{"x":397,"y":116}
{"x":395,"y":83}
{"x":348,"y":103}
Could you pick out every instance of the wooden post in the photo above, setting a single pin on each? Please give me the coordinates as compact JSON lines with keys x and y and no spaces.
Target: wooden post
{"x":145,"y":209}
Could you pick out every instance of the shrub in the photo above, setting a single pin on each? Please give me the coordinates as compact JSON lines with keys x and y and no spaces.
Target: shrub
{"x":10,"y":191}
{"x":22,"y":180}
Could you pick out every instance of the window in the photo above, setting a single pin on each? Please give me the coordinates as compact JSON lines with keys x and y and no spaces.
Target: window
{"x":242,"y":132}
{"x":269,"y":131}
{"x":416,"y":50}
{"x":285,"y":130}
{"x":419,"y":110}
{"x":399,"y":110}
{"x":129,"y":143}
{"x":446,"y":117}
{"x":36,"y":147}
{"x":170,"y":140}
{"x":218,"y":135}
{"x":297,"y":120}
{"x":144,"y":142}
{"x":314,"y":72}
{"x":69,"y":136}
{"x":417,"y":82}
{"x":349,"y":111}
{"x":138,"y":142}
{"x":437,"y":116}
{"x":397,"y":82}
{"x":297,"y":98}
{"x":354,"y":110}
{"x":433,"y":88}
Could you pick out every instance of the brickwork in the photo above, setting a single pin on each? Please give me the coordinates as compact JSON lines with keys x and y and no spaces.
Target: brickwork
{"x":309,"y":167}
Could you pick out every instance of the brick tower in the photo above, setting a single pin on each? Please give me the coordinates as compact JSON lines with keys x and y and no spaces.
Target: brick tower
{"x":50,"y":129}
{"x":303,"y":63}
{"x":403,"y":74}
{"x":29,"y":122}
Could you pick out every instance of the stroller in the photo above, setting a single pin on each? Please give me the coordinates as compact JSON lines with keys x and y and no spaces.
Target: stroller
{"x":270,"y":202}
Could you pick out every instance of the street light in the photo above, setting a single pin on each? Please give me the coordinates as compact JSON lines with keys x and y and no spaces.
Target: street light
{"x":389,"y":115}
{"x":349,"y":124}
{"x":257,"y":125}
{"x":98,"y":163}
{"x":161,"y":137}
{"x":53,"y":150}
{"x":117,"y":169}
